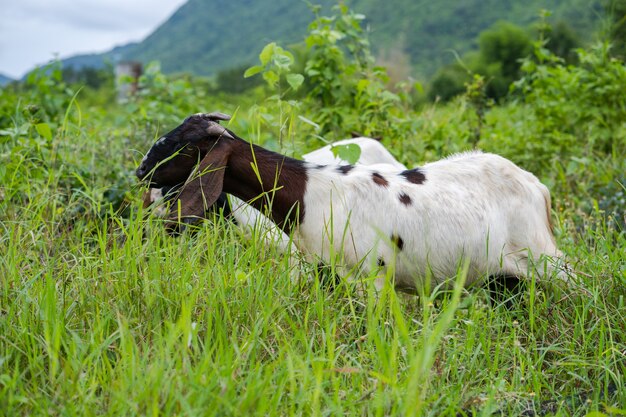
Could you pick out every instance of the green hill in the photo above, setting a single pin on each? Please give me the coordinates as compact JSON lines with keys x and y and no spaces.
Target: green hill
{"x":205,"y":36}
{"x":4,"y":80}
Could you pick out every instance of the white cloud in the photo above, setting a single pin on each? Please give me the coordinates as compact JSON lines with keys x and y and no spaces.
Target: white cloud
{"x":33,"y":31}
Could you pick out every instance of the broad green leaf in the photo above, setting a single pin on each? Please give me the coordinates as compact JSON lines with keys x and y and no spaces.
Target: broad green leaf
{"x":283,"y":60}
{"x":266,"y":53}
{"x":295,"y":80}
{"x":252,"y":71}
{"x":44,"y":130}
{"x":349,"y":153}
{"x":335,"y":35}
{"x":362,"y":84}
{"x":271,"y":77}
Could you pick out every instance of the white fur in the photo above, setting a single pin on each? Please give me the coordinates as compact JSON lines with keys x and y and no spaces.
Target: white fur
{"x":474,"y":206}
{"x":255,"y":223}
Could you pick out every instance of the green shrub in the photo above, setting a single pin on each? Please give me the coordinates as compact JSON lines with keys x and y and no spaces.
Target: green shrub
{"x":576,"y":107}
{"x":448,"y":83}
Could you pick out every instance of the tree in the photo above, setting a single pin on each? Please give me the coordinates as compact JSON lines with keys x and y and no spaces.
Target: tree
{"x":501,"y":50}
{"x":448,"y":82}
{"x":505,"y":44}
{"x":616,"y":12}
{"x":563,"y":41}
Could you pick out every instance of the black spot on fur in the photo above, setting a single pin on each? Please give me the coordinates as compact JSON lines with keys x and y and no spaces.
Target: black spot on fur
{"x":405,"y":199}
{"x":414,"y":176}
{"x":379,"y":179}
{"x":397,"y":240}
{"x":381,"y":262}
{"x":344,"y":169}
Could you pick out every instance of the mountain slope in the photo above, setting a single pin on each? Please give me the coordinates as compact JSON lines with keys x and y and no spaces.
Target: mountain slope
{"x":119,"y":53}
{"x":205,"y":36}
{"x":429,"y":31}
{"x":208,"y":35}
{"x":4,"y":80}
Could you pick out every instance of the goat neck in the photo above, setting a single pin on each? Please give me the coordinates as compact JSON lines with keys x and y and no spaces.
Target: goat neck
{"x":272,"y":183}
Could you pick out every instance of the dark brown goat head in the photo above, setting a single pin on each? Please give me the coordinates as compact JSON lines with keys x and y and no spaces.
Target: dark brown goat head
{"x":171,"y":160}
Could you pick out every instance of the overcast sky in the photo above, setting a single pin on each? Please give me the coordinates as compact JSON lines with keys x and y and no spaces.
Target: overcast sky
{"x":32,"y":32}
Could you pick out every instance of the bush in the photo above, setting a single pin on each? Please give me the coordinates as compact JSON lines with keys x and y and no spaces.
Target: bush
{"x":580,"y":107}
{"x":501,"y":49}
{"x":448,"y":83}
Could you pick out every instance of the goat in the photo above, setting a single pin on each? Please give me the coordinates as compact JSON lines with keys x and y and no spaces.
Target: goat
{"x":249,"y":219}
{"x":474,"y":207}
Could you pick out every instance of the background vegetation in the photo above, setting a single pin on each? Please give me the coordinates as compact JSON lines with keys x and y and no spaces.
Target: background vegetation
{"x":102,"y":313}
{"x":207,"y":36}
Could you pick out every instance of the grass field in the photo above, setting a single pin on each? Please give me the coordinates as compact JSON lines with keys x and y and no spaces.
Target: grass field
{"x":102,"y":313}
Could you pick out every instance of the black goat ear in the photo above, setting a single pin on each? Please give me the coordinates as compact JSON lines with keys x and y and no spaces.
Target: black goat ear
{"x":204,"y":189}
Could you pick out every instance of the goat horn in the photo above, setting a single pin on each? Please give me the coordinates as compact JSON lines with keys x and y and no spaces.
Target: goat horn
{"x":216,"y":116}
{"x":215,"y":129}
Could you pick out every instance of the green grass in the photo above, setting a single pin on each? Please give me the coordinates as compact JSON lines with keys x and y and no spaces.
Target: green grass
{"x":110,"y":316}
{"x":102,"y":313}
{"x":124,"y":320}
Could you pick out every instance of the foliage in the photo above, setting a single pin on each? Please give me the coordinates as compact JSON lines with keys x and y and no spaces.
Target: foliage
{"x":615,"y":10}
{"x":231,"y":81}
{"x":32,"y":113}
{"x":43,"y":95}
{"x":501,"y":49}
{"x":574,"y":104}
{"x":448,"y":82}
{"x":203,"y":37}
{"x":562,"y":41}
{"x":159,"y":95}
{"x":504,"y":44}
{"x":103,"y":313}
{"x":276,"y":67}
{"x":476,"y":96}
{"x":89,"y":77}
{"x":345,"y":92}
{"x":340,"y":75}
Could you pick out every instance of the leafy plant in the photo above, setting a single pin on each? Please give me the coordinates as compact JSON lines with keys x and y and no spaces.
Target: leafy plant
{"x":345,"y":92}
{"x":276,"y":65}
{"x":576,"y":107}
{"x":349,"y":90}
{"x":498,"y":61}
{"x":615,"y":11}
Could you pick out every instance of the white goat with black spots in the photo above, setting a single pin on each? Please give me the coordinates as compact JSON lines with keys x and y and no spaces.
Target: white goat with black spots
{"x":474,"y":207}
